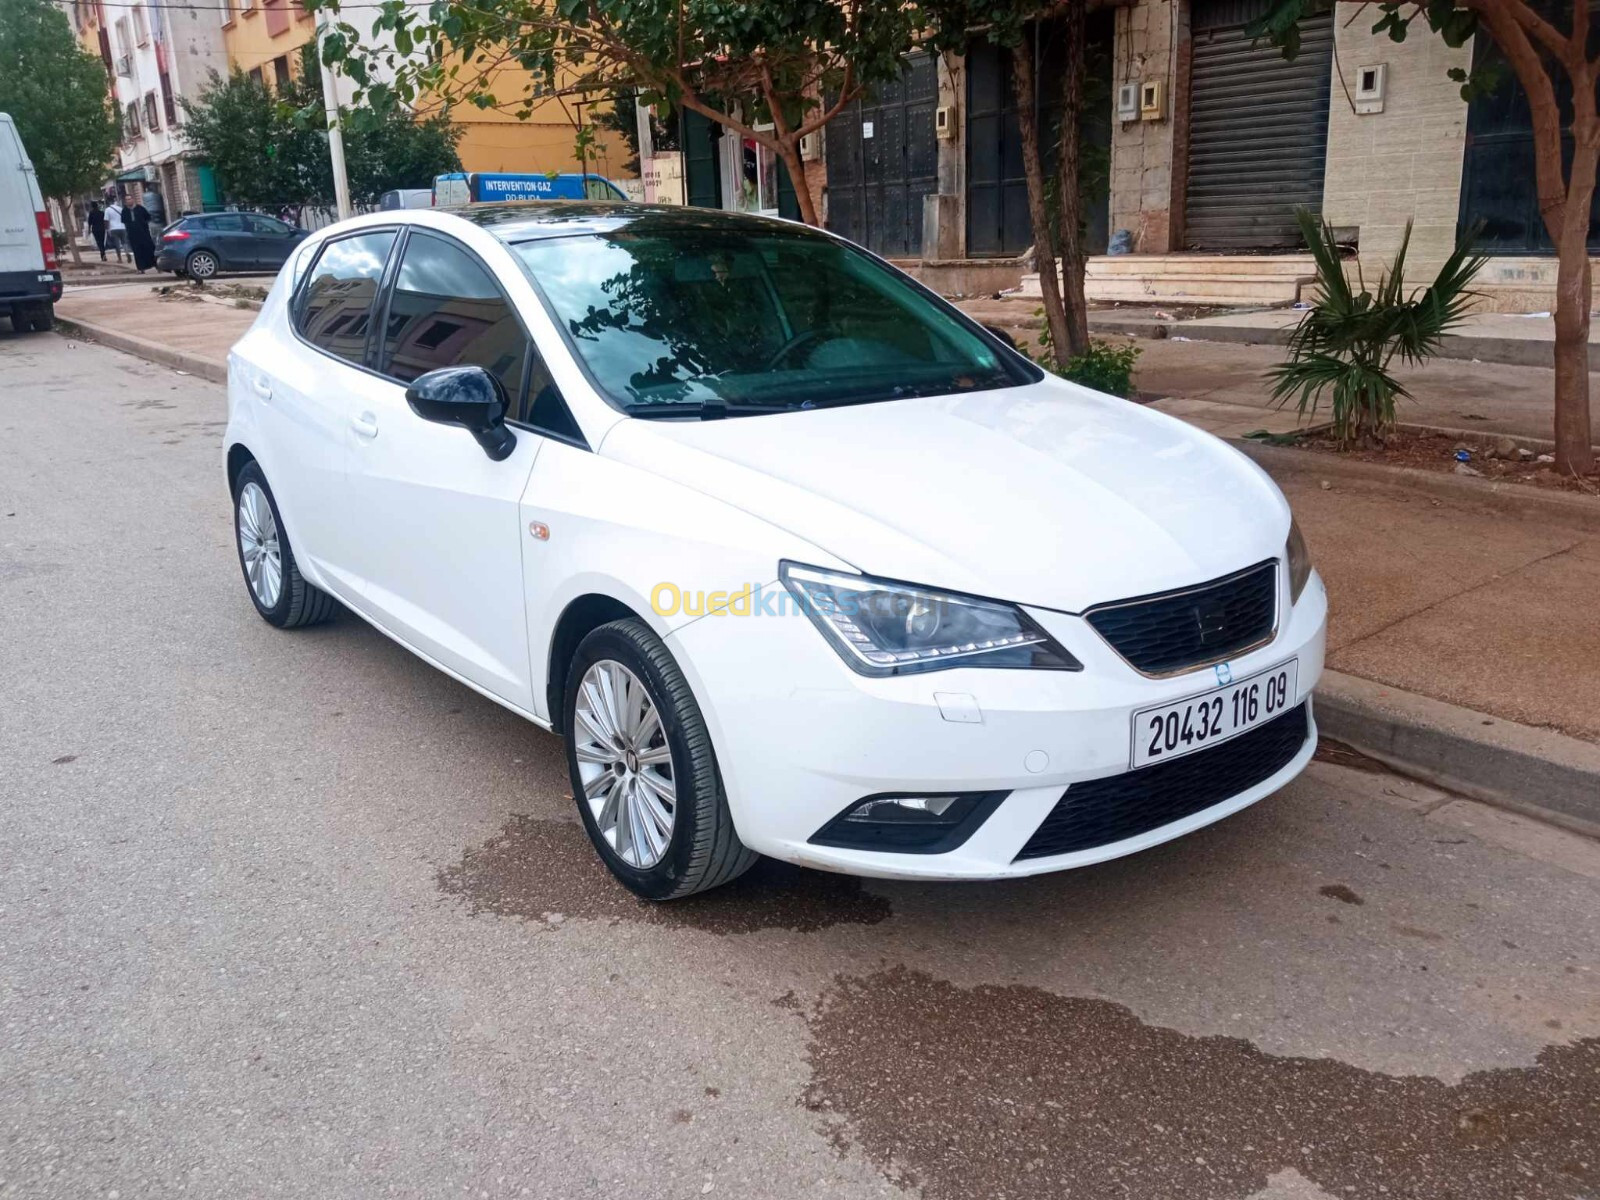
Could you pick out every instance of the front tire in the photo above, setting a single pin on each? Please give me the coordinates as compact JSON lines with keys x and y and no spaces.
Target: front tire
{"x":643,"y":771}
{"x":271,"y":575}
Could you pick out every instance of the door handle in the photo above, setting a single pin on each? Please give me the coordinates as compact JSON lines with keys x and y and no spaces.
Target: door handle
{"x":261,"y":388}
{"x":366,"y":425}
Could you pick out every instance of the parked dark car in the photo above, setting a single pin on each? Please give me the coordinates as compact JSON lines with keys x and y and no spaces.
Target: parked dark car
{"x":203,"y":245}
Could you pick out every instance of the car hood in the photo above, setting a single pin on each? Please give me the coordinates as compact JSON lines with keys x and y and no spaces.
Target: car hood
{"x":1048,"y":494}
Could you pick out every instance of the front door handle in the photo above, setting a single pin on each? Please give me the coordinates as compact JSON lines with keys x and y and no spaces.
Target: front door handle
{"x":262,"y":388}
{"x":366,"y":425}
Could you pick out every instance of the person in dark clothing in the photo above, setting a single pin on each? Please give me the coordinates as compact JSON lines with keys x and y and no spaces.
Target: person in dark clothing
{"x":139,"y":241}
{"x":97,"y":227}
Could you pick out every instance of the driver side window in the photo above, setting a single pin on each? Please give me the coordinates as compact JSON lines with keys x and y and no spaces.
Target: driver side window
{"x":445,"y":310}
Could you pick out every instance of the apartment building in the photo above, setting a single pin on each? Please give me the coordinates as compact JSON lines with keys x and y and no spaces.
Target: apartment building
{"x":155,"y":54}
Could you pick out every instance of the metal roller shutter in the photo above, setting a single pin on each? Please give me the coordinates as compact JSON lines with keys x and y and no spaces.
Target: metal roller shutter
{"x":883,"y":158}
{"x":1258,"y":130}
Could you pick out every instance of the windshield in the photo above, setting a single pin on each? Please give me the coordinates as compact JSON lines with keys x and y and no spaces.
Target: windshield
{"x":712,"y":318}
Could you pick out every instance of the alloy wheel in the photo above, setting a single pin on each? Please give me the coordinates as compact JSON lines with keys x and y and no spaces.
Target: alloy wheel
{"x":202,"y":265}
{"x":625,"y":764}
{"x":259,"y":546}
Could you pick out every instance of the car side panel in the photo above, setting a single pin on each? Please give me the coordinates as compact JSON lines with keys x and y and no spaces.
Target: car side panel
{"x":614,"y":530}
{"x":301,"y":403}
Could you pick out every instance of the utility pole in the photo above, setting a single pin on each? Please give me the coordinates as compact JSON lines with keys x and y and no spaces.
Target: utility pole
{"x":330,"y":102}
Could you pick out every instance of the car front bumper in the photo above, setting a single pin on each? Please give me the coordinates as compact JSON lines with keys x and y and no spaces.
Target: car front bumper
{"x":800,"y":737}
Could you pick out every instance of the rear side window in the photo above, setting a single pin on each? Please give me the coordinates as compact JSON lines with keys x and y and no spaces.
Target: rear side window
{"x":446,"y":311}
{"x":261,"y":224}
{"x":335,"y":305}
{"x":223,"y":223}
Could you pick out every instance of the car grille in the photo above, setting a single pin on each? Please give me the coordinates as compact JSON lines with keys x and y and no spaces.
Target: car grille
{"x":1159,"y":635}
{"x":1103,"y":811}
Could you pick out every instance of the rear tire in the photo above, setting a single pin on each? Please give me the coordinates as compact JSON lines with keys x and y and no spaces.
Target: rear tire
{"x":271,"y":576}
{"x":201,"y":264}
{"x":703,"y":849}
{"x":42,"y":317}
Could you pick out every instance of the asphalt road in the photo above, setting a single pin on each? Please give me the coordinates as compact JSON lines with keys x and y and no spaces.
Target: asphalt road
{"x":294,"y":915}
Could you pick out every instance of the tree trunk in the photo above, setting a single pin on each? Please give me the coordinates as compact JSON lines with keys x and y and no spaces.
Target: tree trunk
{"x":70,"y":215}
{"x":789,"y":152}
{"x":1069,"y":194}
{"x":1574,"y":437}
{"x":1038,"y":210}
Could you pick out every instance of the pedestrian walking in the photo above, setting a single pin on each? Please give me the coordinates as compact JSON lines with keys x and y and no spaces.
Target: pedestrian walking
{"x":116,"y":231}
{"x":97,"y":227}
{"x":144,"y":249}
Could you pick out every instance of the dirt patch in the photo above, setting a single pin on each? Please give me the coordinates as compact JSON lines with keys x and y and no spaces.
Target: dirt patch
{"x":547,"y":870}
{"x":1437,"y":452}
{"x":1014,"y":1091}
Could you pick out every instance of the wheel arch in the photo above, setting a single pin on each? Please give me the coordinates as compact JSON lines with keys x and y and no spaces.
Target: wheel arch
{"x":239,"y":456}
{"x":578,"y":619}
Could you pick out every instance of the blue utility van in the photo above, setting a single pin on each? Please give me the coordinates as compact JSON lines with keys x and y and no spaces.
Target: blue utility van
{"x":473,"y":187}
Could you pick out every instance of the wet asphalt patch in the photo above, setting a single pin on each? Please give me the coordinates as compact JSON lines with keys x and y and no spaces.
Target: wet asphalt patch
{"x":1014,"y":1091}
{"x":548,"y":870}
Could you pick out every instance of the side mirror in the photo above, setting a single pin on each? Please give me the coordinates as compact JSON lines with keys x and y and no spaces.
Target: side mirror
{"x":469,"y":397}
{"x":1003,"y":336}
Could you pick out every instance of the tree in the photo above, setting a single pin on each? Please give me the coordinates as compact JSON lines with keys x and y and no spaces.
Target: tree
{"x":60,"y":103}
{"x":793,"y":64}
{"x":270,"y":150}
{"x":262,"y":155}
{"x":1558,"y":69}
{"x":1055,"y":206}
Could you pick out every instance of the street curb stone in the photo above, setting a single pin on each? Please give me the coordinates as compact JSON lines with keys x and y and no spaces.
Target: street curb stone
{"x":1487,"y":758}
{"x":1511,"y":499}
{"x":179,"y":360}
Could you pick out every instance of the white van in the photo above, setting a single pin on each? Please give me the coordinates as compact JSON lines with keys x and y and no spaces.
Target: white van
{"x":30,"y":276}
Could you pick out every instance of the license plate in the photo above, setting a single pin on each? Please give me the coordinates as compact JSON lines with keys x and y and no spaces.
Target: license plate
{"x":1173,"y":730}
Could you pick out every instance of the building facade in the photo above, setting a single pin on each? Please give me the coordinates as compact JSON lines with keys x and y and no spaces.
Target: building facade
{"x":1203,"y":145}
{"x":155,"y":55}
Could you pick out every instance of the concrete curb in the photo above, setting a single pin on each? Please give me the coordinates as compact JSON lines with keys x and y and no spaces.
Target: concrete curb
{"x":1521,"y":500}
{"x":1467,"y":347}
{"x":179,"y":360}
{"x":1487,"y":758}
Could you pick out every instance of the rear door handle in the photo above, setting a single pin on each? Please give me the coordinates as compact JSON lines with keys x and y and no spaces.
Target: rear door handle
{"x":366,"y":425}
{"x":261,"y":388}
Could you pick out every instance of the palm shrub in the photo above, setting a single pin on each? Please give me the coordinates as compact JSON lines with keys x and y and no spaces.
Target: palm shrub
{"x":1349,"y":340}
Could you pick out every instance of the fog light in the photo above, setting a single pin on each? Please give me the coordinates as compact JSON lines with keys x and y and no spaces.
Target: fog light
{"x":913,"y":824}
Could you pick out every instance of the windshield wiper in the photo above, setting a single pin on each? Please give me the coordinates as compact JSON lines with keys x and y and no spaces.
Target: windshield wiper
{"x":709,"y":410}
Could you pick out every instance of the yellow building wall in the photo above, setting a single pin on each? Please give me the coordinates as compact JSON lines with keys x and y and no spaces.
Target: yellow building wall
{"x":491,"y":140}
{"x":250,"y":43}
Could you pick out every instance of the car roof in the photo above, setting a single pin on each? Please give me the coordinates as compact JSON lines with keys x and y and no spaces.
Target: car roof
{"x":515,"y":221}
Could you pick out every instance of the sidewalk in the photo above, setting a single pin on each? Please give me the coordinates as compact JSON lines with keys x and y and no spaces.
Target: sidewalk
{"x":1178,"y":360}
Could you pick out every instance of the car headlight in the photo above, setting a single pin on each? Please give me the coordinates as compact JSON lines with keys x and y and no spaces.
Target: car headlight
{"x":885,"y":628}
{"x":1299,"y":559}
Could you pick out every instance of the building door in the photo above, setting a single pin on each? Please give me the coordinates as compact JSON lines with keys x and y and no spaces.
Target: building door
{"x":1497,"y":173}
{"x":1258,"y":129}
{"x":882,"y":160}
{"x":709,"y":180}
{"x":998,"y":223}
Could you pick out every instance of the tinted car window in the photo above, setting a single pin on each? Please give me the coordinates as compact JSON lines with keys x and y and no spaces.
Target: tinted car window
{"x":224,"y":223}
{"x":263,"y":224}
{"x":335,"y":305}
{"x":446,"y":311}
{"x":671,"y":313}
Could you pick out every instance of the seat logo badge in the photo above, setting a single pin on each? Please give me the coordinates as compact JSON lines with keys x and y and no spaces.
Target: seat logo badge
{"x":1224,"y":673}
{"x":1211,"y":623}
{"x":540,"y":530}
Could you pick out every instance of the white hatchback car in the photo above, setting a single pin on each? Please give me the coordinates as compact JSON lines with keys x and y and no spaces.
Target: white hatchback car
{"x":800,"y":560}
